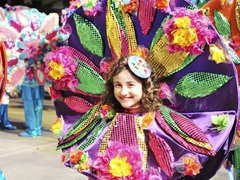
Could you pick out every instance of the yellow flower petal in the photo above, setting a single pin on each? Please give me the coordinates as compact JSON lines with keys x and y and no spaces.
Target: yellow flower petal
{"x":183,"y":22}
{"x":57,"y":127}
{"x":57,"y":70}
{"x":184,"y":36}
{"x":217,"y":53}
{"x":119,"y":167}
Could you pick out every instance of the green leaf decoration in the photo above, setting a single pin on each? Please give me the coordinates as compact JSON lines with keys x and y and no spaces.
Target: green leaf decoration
{"x":222,"y":24}
{"x":93,"y":137}
{"x":89,"y":35}
{"x":200,"y":84}
{"x":220,"y":121}
{"x":191,"y":7}
{"x":118,"y":14}
{"x":83,"y":122}
{"x":168,"y":118}
{"x":89,"y":80}
{"x":80,"y":136}
{"x":159,"y":33}
{"x":234,"y":56}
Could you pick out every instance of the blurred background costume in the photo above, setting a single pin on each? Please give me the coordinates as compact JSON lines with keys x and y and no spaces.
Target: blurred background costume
{"x":5,"y":123}
{"x":2,"y":177}
{"x":195,"y":70}
{"x":28,"y":35}
{"x":3,"y":79}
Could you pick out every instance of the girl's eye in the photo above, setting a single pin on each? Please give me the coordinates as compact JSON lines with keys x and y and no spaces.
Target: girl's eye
{"x":117,"y":85}
{"x":131,"y":85}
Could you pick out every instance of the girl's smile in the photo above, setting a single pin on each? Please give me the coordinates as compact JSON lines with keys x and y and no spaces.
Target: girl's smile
{"x":127,"y":89}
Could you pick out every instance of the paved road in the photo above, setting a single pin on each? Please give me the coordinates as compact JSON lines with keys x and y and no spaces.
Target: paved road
{"x":32,"y":158}
{"x":36,"y":158}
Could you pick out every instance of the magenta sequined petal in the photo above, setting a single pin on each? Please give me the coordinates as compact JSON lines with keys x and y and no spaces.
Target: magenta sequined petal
{"x":77,"y":104}
{"x":146,"y":14}
{"x":124,"y":130}
{"x":163,"y":124}
{"x":189,"y":127}
{"x":124,"y":43}
{"x":163,"y":154}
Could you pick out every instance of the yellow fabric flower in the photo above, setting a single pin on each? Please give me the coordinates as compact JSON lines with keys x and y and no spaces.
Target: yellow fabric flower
{"x":119,"y":167}
{"x":57,"y":70}
{"x":184,"y":36}
{"x":78,"y":5}
{"x":217,"y":53}
{"x":183,"y":22}
{"x":57,"y":127}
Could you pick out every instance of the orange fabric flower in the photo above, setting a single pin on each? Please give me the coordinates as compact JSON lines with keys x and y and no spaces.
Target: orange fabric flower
{"x":141,"y":51}
{"x":192,"y":167}
{"x":131,"y":7}
{"x":106,"y":107}
{"x":76,"y":157}
{"x":162,"y":4}
{"x":148,"y":118}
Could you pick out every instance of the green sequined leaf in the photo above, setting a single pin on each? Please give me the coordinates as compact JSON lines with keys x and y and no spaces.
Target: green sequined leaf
{"x":200,"y":84}
{"x":92,"y":138}
{"x":191,"y":7}
{"x":89,"y":80}
{"x":222,"y":24}
{"x":168,"y":118}
{"x":234,"y":56}
{"x":81,"y":136}
{"x":89,"y":35}
{"x":159,"y":33}
{"x":84,"y":121}
{"x":118,"y":15}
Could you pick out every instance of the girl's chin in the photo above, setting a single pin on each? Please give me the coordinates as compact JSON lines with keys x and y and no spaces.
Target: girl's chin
{"x":129,"y":107}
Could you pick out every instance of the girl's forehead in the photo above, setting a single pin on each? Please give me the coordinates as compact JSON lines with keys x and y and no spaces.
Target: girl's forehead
{"x":125,"y":76}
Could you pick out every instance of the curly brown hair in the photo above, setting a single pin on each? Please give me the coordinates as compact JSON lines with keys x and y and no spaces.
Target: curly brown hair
{"x":150,"y":97}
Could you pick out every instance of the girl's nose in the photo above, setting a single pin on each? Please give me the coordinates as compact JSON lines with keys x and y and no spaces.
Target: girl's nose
{"x":124,"y":91}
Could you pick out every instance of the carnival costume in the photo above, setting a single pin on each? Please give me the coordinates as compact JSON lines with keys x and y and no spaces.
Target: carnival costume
{"x":189,"y":136}
{"x":28,"y":35}
{"x":226,"y":17}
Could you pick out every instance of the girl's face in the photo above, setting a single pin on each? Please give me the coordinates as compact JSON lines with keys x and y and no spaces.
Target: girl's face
{"x":127,"y":89}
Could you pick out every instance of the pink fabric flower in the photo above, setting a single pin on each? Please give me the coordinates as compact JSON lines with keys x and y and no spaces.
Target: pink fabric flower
{"x":62,"y":57}
{"x":117,"y":149}
{"x":198,"y":24}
